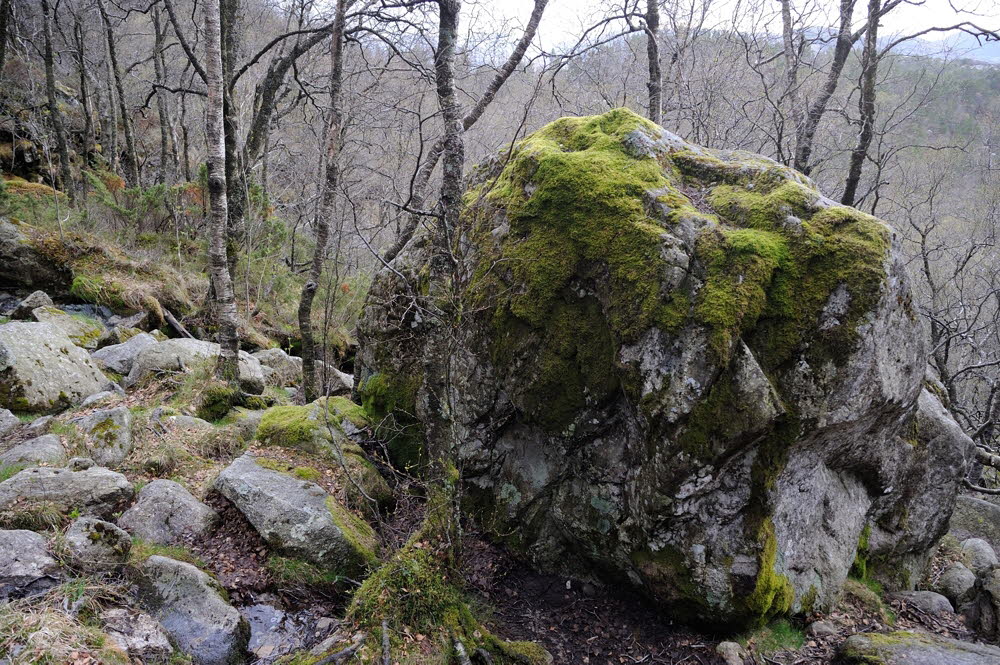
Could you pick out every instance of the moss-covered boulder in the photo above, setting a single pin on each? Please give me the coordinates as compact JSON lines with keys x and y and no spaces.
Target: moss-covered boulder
{"x":682,"y":368}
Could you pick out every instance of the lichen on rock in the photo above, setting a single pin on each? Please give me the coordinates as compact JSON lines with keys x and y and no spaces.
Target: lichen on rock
{"x":676,"y":367}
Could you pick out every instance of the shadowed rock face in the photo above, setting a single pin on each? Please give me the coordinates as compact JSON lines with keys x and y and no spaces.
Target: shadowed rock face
{"x":678,"y":367}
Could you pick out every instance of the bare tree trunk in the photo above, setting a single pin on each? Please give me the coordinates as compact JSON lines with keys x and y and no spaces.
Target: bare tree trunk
{"x":55,"y":115}
{"x":332,"y":176}
{"x":453,"y":157}
{"x":4,"y":29}
{"x":164,"y":174}
{"x":427,"y":168}
{"x":131,"y":157}
{"x":806,"y":132}
{"x":236,"y":182}
{"x":113,"y":153}
{"x":85,"y":100}
{"x":184,"y":140}
{"x":222,"y":286}
{"x":791,"y":67}
{"x":866,"y":105}
{"x":655,"y":82}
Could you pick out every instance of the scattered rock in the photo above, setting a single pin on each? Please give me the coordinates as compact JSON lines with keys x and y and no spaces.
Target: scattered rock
{"x":821,"y":629}
{"x":46,"y":449}
{"x":94,"y":491}
{"x":29,"y":304}
{"x":84,"y":331}
{"x":167,"y":514}
{"x":39,"y":426}
{"x":137,"y":634}
{"x":979,"y":556}
{"x":119,"y":358}
{"x":107,"y":435}
{"x":8,"y":421}
{"x":41,"y":370}
{"x":731,"y":653}
{"x":96,"y":398}
{"x":280,"y":369}
{"x":189,"y":423}
{"x":22,"y":265}
{"x":97,"y":546}
{"x":976,"y":518}
{"x":956,"y":583}
{"x":175,"y":355}
{"x":906,"y":648}
{"x":80,"y":464}
{"x":925,"y":601}
{"x":298,"y":518}
{"x":982,"y":613}
{"x":192,"y":609}
{"x":275,"y":633}
{"x":26,"y":568}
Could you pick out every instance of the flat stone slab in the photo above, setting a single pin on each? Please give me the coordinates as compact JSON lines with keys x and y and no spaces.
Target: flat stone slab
{"x":906,"y":648}
{"x":93,"y":491}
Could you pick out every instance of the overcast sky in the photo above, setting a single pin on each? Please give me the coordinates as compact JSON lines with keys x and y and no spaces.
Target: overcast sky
{"x":563,"y":18}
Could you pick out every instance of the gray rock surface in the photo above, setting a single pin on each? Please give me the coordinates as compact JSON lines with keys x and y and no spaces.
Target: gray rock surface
{"x":167,"y":514}
{"x":982,"y":612}
{"x":190,"y":606}
{"x":23,"y":265}
{"x":298,"y":518}
{"x":189,"y":423}
{"x":97,"y":546}
{"x":976,"y":518}
{"x":46,"y":449}
{"x":137,"y":634}
{"x":31,"y":302}
{"x":731,"y":653}
{"x":629,"y":411}
{"x":95,"y":491}
{"x":119,"y":358}
{"x":956,"y":583}
{"x":978,"y":555}
{"x":821,"y":629}
{"x":280,"y":369}
{"x":84,"y":331}
{"x":906,"y":648}
{"x":41,"y":370}
{"x":26,"y":568}
{"x":8,"y":421}
{"x":97,"y":398}
{"x":925,"y":601}
{"x":181,"y":354}
{"x":106,"y":435}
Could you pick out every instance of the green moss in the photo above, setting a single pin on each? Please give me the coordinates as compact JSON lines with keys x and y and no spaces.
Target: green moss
{"x":773,"y":593}
{"x":307,"y":473}
{"x":142,"y":550}
{"x":778,"y":635}
{"x":296,"y":572}
{"x":343,"y":408}
{"x":859,"y":568}
{"x":287,"y":426}
{"x":216,"y":400}
{"x":389,"y":402}
{"x":357,"y":532}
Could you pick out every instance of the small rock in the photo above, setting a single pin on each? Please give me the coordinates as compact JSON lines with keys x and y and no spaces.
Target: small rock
{"x":119,"y":358}
{"x":94,"y":491}
{"x":821,"y":629}
{"x":107,"y":434}
{"x":26,"y":568}
{"x":8,"y":421}
{"x":97,"y":546}
{"x":730,"y":652}
{"x":956,"y":583}
{"x":102,"y":396}
{"x":29,"y":304}
{"x":40,"y":425}
{"x":46,"y":449}
{"x":183,"y":354}
{"x":979,"y":555}
{"x":137,"y":634}
{"x":167,"y":514}
{"x":79,"y":464}
{"x":906,"y":648}
{"x":191,"y":608}
{"x":925,"y":601}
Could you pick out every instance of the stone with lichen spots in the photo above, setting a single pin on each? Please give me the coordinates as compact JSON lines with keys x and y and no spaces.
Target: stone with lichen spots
{"x":45,"y":449}
{"x":678,"y":366}
{"x":106,"y":435}
{"x":167,"y":514}
{"x":84,"y":331}
{"x":91,"y":491}
{"x":42,"y":370}
{"x":96,"y":546}
{"x":177,"y":355}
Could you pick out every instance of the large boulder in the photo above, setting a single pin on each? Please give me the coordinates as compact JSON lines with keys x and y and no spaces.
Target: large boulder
{"x":91,"y":491}
{"x":298,"y":518}
{"x":41,"y":370}
{"x":23,"y":266}
{"x":118,"y":358}
{"x":193,"y":610}
{"x":84,"y":331}
{"x":181,"y":354}
{"x":26,"y":566}
{"x":29,"y":304}
{"x":46,"y":449}
{"x":677,"y":367}
{"x":907,"y":648}
{"x":106,"y":434}
{"x":167,"y":514}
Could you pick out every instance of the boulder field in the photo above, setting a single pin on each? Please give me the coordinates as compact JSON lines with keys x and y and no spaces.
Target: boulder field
{"x":678,"y":368}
